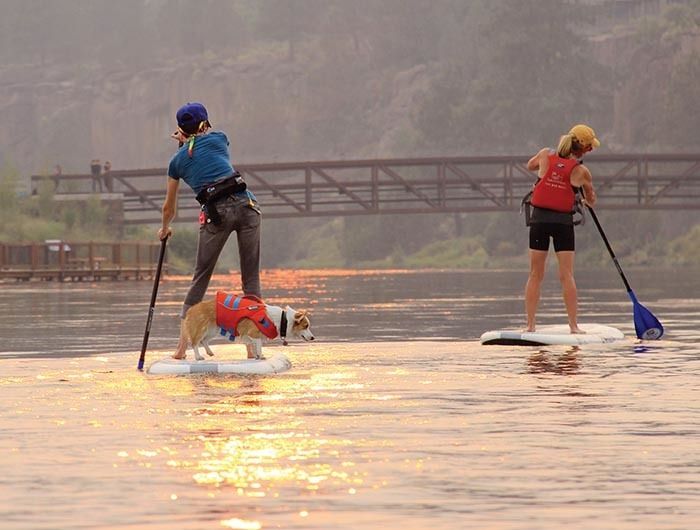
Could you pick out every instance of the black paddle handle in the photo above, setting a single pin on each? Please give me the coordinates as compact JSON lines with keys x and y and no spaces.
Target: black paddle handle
{"x":610,"y":250}
{"x":151,"y":308}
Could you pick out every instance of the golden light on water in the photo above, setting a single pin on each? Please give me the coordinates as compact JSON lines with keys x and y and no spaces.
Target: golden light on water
{"x":258,"y":464}
{"x":348,"y":439}
{"x":240,"y":524}
{"x":243,"y":438}
{"x":298,"y":282}
{"x":406,"y":433}
{"x":217,"y":438}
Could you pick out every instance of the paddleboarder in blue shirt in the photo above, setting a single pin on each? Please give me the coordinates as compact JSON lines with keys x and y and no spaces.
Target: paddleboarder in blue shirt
{"x":227,"y":205}
{"x":553,"y":199}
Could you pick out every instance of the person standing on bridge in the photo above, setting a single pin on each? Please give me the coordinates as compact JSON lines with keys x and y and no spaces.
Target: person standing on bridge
{"x":553,"y":199}
{"x":227,"y":206}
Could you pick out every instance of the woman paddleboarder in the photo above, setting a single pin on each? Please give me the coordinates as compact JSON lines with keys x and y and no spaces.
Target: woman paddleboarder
{"x":553,"y":201}
{"x":227,"y":206}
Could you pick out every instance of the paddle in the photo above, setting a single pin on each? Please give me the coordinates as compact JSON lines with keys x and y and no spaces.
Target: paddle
{"x":646,"y":324}
{"x":151,"y":308}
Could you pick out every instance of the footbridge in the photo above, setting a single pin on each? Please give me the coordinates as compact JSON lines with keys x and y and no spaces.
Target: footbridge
{"x":397,"y":186}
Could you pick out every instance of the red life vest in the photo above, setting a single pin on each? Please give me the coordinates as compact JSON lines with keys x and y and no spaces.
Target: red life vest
{"x":231,"y":308}
{"x":553,"y":191}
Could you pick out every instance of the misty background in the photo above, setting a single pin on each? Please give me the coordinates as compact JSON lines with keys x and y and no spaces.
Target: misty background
{"x":297,"y":80}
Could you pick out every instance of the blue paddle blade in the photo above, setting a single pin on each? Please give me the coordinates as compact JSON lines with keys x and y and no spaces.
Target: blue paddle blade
{"x":646,"y":324}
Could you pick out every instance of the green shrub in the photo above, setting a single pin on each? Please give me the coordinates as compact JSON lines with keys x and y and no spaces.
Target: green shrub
{"x":685,"y":250}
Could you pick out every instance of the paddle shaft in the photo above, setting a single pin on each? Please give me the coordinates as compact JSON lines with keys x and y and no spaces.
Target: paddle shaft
{"x":610,"y":250}
{"x":151,"y":308}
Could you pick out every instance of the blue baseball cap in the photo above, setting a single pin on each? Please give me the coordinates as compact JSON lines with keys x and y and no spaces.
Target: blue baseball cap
{"x":190,"y":117}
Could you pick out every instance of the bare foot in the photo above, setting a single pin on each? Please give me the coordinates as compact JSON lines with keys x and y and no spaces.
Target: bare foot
{"x":182,"y":343}
{"x":528,"y":329}
{"x":180,"y":351}
{"x":577,"y":329}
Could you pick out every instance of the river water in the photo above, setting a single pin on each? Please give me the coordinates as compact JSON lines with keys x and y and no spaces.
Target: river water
{"x":395,"y":418}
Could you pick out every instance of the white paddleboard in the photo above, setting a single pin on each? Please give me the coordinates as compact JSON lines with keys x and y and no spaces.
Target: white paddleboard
{"x":274,"y":364}
{"x":551,"y":335}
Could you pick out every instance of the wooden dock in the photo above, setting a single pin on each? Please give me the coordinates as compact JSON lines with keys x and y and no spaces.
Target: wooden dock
{"x":57,"y":260}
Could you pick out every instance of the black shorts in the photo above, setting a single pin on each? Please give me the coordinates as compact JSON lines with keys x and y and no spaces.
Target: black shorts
{"x":562,"y":234}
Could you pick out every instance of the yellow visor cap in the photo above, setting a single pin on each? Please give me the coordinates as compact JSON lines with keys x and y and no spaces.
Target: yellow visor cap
{"x":585,"y":135}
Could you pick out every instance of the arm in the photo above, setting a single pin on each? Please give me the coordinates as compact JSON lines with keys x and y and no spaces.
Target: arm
{"x":581,"y":177}
{"x":536,"y":162}
{"x":169,"y":208}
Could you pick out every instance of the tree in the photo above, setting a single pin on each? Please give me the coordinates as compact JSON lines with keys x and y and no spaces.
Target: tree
{"x":528,"y":76}
{"x":648,"y":105}
{"x":9,"y":177}
{"x":208,"y":25}
{"x":288,"y":21}
{"x":682,"y":105}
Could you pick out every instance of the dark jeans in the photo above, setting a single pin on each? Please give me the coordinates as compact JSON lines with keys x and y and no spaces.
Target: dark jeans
{"x":238,"y":214}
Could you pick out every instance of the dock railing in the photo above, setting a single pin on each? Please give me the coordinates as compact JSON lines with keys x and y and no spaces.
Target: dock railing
{"x":78,"y":261}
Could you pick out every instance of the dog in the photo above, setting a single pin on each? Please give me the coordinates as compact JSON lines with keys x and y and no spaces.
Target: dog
{"x":243,"y":317}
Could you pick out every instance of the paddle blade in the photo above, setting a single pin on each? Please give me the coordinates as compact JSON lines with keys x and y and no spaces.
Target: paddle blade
{"x":646,"y":324}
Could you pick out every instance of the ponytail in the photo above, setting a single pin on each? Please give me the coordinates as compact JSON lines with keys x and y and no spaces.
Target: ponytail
{"x":566,"y":144}
{"x":203,"y":126}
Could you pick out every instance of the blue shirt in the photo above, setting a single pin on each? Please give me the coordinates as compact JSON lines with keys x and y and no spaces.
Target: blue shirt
{"x":210,"y":161}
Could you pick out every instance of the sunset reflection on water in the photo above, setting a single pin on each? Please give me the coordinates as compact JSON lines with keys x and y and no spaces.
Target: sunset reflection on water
{"x":395,"y":417}
{"x":355,"y":435}
{"x":269,"y":449}
{"x":308,"y":287}
{"x":256,"y":439}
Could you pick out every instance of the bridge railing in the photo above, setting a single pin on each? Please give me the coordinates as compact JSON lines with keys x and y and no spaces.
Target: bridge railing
{"x":415,"y":185}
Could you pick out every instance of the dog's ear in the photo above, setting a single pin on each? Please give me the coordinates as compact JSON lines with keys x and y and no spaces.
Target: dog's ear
{"x":300,"y":315}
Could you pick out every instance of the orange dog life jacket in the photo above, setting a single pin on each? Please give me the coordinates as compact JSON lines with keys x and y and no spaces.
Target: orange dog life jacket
{"x":231,"y":308}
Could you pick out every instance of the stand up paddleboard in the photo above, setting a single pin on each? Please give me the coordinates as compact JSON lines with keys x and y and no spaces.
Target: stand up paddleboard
{"x":274,"y":364}
{"x":554,"y":335}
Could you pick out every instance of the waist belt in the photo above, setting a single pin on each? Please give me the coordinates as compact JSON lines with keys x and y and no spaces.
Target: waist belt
{"x":209,"y":196}
{"x":527,"y":206}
